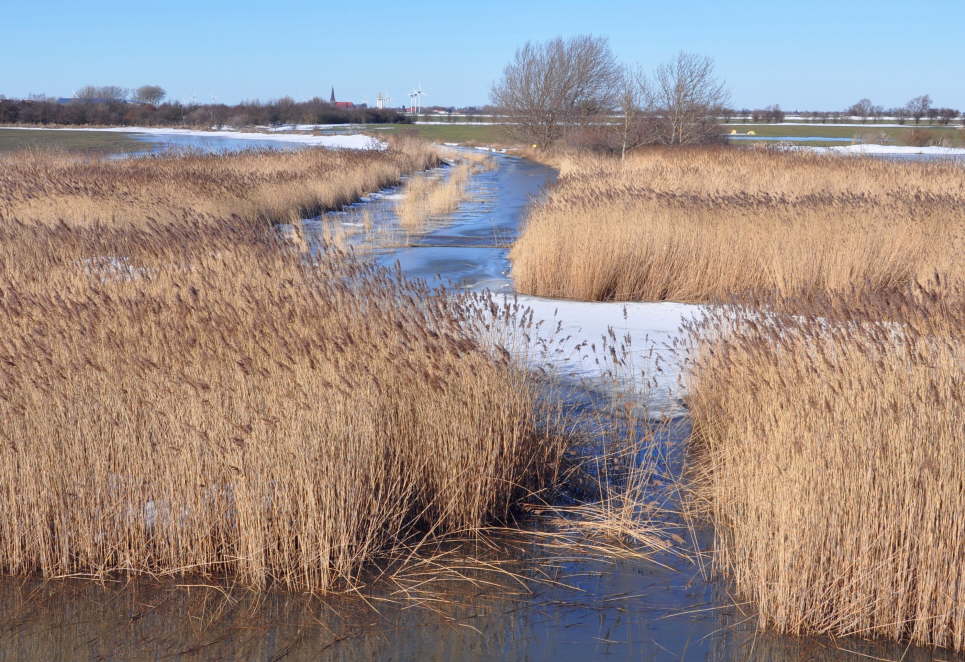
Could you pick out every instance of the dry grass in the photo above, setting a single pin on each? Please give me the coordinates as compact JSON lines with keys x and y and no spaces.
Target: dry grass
{"x":257,"y":186}
{"x":829,"y":456}
{"x":427,"y":196}
{"x":185,"y":393}
{"x":706,"y":225}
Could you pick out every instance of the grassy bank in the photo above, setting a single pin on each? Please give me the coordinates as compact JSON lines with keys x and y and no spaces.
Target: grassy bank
{"x":828,"y":453}
{"x":89,"y":142}
{"x":705,"y":225}
{"x":256,"y":187}
{"x":869,"y":133}
{"x":185,"y":393}
{"x":457,"y":133}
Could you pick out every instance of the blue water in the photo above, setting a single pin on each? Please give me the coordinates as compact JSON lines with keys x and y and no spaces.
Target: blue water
{"x":209,"y":144}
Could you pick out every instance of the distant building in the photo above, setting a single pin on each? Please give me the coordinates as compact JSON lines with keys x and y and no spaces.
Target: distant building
{"x":339,"y":104}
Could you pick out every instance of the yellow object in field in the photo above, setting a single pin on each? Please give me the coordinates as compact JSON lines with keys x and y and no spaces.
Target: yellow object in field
{"x":534,"y":146}
{"x":752,"y":133}
{"x":733,"y":132}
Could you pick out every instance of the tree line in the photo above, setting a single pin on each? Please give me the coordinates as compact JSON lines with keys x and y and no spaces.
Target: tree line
{"x":917,"y":109}
{"x":574,"y":91}
{"x":145,"y":106}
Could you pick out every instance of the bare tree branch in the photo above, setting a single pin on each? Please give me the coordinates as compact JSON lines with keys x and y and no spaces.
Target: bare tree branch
{"x":552,"y":87}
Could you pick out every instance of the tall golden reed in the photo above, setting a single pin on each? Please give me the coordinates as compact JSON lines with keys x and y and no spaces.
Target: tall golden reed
{"x":255,"y":186}
{"x":704,"y":225}
{"x":829,"y":455}
{"x":183,"y":393}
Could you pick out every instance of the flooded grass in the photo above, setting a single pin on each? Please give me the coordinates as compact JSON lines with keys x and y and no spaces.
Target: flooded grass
{"x":426,"y":196}
{"x":199,"y":397}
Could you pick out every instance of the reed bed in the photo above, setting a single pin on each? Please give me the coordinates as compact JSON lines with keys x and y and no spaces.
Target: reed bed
{"x":705,"y":225}
{"x":185,"y":392}
{"x":257,"y":186}
{"x":427,"y":196}
{"x":828,"y":454}
{"x":197,"y":398}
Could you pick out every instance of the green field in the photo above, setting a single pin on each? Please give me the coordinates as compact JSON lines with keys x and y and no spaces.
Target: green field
{"x":447,"y":133}
{"x":868,"y":133}
{"x":93,"y":142}
{"x":488,"y":134}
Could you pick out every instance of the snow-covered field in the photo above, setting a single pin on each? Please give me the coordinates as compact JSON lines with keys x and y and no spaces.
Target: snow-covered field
{"x":888,"y":149}
{"x":850,"y":125}
{"x":352,"y":141}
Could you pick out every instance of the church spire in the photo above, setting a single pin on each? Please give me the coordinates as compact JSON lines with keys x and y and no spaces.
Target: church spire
{"x":332,"y":100}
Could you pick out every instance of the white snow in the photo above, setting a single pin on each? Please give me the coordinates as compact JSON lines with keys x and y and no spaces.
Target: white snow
{"x":888,"y":149}
{"x":849,"y":125}
{"x":304,"y":127}
{"x":352,"y":141}
{"x":574,"y":338}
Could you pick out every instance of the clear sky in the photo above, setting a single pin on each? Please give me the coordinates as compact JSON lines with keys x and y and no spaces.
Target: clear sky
{"x":804,"y":54}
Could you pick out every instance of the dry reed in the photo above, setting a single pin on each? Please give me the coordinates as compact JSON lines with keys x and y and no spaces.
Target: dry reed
{"x":828,"y":453}
{"x":427,"y":196}
{"x":255,"y":186}
{"x":183,"y":393}
{"x":704,"y":225}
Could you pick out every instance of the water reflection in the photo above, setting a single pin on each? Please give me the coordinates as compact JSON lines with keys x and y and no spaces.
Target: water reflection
{"x":624,"y":618}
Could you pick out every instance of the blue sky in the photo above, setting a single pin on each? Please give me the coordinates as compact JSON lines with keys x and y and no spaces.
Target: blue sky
{"x":805,"y":54}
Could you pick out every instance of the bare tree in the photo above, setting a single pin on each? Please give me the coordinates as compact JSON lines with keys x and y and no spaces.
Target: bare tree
{"x":862,"y":109}
{"x":150,"y":94}
{"x":552,"y":87}
{"x":918,"y":107}
{"x":101,"y":93}
{"x":636,"y":128}
{"x":686,"y":98}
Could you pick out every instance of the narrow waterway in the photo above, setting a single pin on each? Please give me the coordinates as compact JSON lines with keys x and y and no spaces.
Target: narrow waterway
{"x":566,"y":607}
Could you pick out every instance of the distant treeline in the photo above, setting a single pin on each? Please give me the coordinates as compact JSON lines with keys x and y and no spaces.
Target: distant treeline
{"x":124,"y":113}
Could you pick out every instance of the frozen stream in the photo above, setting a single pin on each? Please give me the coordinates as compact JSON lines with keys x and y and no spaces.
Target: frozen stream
{"x":468,"y":249}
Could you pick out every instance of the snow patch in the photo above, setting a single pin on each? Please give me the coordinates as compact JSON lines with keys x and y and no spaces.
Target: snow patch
{"x":351,"y":141}
{"x":575,"y":339}
{"x":888,"y":149}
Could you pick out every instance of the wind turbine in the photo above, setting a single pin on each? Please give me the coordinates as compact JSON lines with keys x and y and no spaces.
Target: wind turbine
{"x":417,"y":94}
